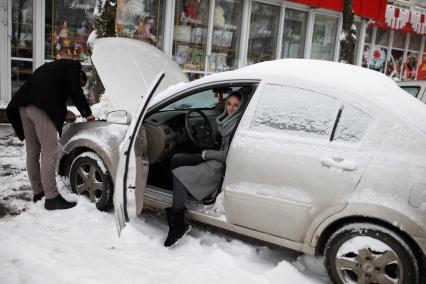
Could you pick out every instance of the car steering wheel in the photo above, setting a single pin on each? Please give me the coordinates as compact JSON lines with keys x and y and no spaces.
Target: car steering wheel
{"x":199,"y":129}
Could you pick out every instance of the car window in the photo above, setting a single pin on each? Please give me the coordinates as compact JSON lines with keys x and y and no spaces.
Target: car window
{"x":296,"y":111}
{"x":205,"y":99}
{"x":352,"y":125}
{"x":412,"y":90}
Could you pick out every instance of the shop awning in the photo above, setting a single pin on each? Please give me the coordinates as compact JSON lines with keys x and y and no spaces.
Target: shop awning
{"x":372,"y":9}
{"x":403,"y":19}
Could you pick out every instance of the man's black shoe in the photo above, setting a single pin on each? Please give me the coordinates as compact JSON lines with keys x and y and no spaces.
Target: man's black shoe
{"x":58,"y":202}
{"x":38,"y":197}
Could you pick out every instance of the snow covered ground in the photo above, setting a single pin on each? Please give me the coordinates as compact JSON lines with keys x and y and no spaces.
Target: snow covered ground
{"x":81,"y":245}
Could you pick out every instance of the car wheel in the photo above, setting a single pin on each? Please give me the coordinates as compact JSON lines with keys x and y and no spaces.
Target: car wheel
{"x":368,"y":253}
{"x":89,"y":176}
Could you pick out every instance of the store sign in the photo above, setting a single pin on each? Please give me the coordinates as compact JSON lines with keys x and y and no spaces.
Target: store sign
{"x":78,"y":5}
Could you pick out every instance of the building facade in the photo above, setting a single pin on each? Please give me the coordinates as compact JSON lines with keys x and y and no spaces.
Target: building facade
{"x":208,"y":36}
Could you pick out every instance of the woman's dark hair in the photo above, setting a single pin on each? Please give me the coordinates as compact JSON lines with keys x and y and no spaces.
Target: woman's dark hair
{"x":237,"y":94}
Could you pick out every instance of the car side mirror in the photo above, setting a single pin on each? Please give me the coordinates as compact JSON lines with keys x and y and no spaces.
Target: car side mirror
{"x":119,"y":116}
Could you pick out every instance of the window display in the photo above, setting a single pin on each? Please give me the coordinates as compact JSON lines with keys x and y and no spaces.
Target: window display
{"x":324,"y":37}
{"x":295,"y":23}
{"x":377,"y":61}
{"x":421,"y":74}
{"x":225,"y":41}
{"x":410,"y":66}
{"x":415,"y":41}
{"x":68,"y":25}
{"x":190,"y":34}
{"x":366,"y":54}
{"x":141,"y":19}
{"x":22,"y":29}
{"x":263,"y":32}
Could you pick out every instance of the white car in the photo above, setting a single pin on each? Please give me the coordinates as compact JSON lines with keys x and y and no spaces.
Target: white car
{"x":415,"y":88}
{"x":328,"y":159}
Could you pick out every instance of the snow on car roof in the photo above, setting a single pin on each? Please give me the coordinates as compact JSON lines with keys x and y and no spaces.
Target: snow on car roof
{"x":327,"y":77}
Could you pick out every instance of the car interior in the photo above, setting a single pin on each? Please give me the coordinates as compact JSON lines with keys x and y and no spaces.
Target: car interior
{"x":186,"y":124}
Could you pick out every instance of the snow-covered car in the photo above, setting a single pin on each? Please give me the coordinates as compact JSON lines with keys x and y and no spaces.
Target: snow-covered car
{"x":327,"y":159}
{"x":415,"y":88}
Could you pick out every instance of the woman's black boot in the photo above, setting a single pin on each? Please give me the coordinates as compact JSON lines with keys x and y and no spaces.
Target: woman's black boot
{"x":177,"y":227}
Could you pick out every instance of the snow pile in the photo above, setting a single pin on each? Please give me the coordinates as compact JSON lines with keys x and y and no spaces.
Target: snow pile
{"x":81,"y":244}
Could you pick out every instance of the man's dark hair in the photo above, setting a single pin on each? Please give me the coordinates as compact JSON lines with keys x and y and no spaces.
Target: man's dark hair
{"x":83,"y":76}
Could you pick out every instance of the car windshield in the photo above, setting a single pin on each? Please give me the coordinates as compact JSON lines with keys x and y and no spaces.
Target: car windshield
{"x":412,"y":90}
{"x":204,"y":100}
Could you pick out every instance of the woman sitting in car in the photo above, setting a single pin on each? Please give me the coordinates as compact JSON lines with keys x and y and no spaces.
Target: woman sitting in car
{"x":200,"y":175}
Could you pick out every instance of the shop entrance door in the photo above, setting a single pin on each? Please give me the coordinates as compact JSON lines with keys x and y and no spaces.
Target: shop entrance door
{"x":21,"y":43}
{"x":4,"y":53}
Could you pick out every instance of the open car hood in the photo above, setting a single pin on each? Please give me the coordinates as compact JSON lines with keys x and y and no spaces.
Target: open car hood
{"x":127,"y":67}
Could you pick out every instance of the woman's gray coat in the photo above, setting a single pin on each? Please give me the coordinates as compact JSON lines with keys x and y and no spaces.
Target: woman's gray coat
{"x":204,"y":179}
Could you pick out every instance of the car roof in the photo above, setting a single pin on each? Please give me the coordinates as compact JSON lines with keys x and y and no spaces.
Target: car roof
{"x":340,"y":80}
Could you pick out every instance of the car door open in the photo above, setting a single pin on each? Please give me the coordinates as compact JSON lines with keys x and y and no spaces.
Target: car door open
{"x":122,"y":196}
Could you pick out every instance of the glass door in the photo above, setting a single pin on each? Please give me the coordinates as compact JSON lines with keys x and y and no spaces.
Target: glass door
{"x":21,"y":42}
{"x":4,"y":54}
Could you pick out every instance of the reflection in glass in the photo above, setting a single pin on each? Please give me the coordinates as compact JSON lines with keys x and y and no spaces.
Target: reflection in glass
{"x":366,"y":55}
{"x":21,"y":72}
{"x":324,"y":37}
{"x":263,"y":32}
{"x":22,"y":28}
{"x":399,"y":40}
{"x":190,"y":32}
{"x":226,"y":28}
{"x":141,"y":19}
{"x":394,"y":66}
{"x":294,"y":34}
{"x":382,"y":37}
{"x":68,"y":26}
{"x":368,"y":34}
{"x":415,"y":41}
{"x":410,"y":66}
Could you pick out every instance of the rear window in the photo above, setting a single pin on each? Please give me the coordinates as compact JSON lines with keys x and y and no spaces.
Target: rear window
{"x":412,"y":90}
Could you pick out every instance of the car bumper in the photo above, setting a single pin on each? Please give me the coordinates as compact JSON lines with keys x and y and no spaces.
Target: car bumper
{"x":422,"y":244}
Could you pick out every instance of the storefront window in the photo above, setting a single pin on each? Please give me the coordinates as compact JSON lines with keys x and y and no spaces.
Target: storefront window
{"x":22,"y":29}
{"x":295,"y":23}
{"x":21,"y":43}
{"x":21,"y":72}
{"x":263,"y":32}
{"x":399,"y":40}
{"x":367,"y":47}
{"x":415,"y":41}
{"x":410,"y":66}
{"x":394,"y":65}
{"x":190,"y":34}
{"x":226,"y":28}
{"x":324,"y":37}
{"x":141,"y":19}
{"x":382,"y":37}
{"x":421,"y":75}
{"x":377,"y":61}
{"x":68,"y":25}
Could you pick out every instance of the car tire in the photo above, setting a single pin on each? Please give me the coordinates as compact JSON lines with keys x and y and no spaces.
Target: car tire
{"x":89,"y":176}
{"x":369,"y":253}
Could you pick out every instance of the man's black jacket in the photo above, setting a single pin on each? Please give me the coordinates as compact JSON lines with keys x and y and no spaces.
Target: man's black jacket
{"x":49,"y":88}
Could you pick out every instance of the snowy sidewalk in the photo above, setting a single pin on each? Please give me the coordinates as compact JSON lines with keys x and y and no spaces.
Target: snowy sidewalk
{"x":81,"y":245}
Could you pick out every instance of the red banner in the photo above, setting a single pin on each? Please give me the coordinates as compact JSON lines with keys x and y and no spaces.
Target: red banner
{"x":373,"y":9}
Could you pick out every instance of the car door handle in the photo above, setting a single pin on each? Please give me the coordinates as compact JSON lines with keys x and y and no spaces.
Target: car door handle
{"x":339,"y":163}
